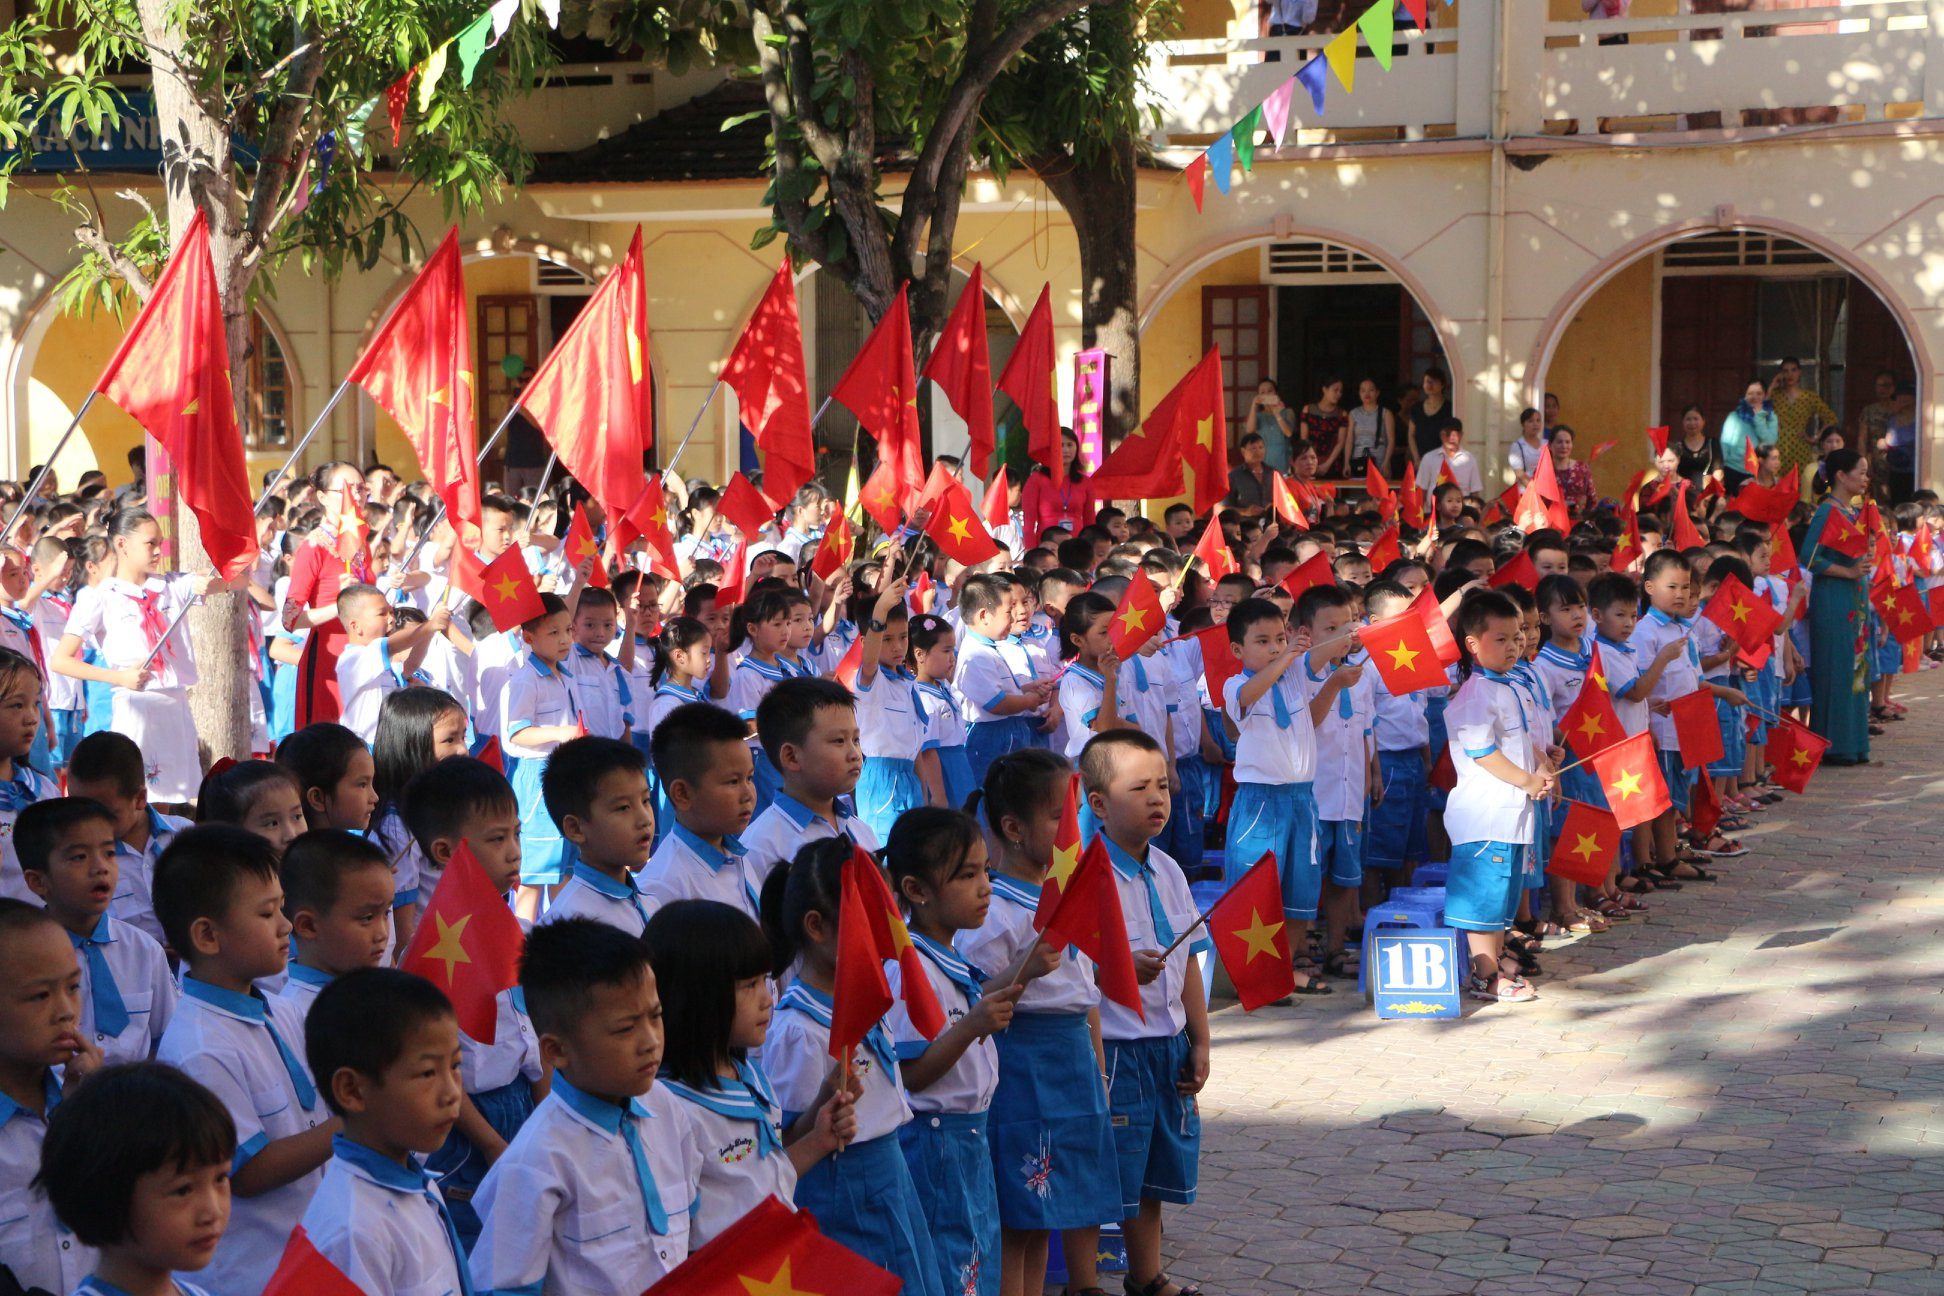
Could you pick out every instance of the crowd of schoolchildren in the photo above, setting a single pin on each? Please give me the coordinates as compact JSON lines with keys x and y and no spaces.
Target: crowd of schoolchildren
{"x":204,"y":1044}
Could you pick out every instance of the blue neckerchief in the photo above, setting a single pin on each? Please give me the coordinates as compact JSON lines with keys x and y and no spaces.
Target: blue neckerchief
{"x":746,"y":1097}
{"x":940,"y":690}
{"x":581,"y":653}
{"x":974,"y":637}
{"x":310,"y":975}
{"x":543,"y":668}
{"x":410,"y":1178}
{"x":1511,"y":683}
{"x":666,"y":689}
{"x":110,"y":1013}
{"x":1345,"y":707}
{"x":1140,"y":672}
{"x":1615,"y":645}
{"x":816,"y":1005}
{"x":612,"y":1119}
{"x":50,"y":1099}
{"x":251,"y":1007}
{"x":1558,"y":656}
{"x":946,"y":960}
{"x":1129,"y":867}
{"x":731,"y":852}
{"x":1275,"y":693}
{"x":1685,"y":624}
{"x":18,"y":792}
{"x":601,"y":884}
{"x":1023,"y":894}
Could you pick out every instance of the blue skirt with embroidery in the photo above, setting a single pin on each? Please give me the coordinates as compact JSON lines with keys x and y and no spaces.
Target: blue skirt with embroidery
{"x":1053,"y":1157}
{"x":951,"y":1167}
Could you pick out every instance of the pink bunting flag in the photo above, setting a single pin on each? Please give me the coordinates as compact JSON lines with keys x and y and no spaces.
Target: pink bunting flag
{"x":1275,"y":110}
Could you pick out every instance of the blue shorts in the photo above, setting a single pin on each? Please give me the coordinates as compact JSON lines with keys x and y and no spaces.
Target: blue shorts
{"x":1482,"y":889}
{"x":1157,"y":1129}
{"x":1339,"y":851}
{"x":1279,"y":818}
{"x":1734,"y":739}
{"x":1396,"y":838}
{"x":1765,"y":691}
{"x":987,"y":740}
{"x":1678,"y":777}
{"x":886,"y":789}
{"x":1540,"y":849}
{"x":1182,"y":838}
{"x":67,"y":732}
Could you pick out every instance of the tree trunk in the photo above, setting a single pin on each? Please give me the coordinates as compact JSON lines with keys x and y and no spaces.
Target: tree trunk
{"x":1098,"y":195}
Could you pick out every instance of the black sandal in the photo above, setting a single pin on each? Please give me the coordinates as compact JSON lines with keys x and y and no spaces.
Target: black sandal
{"x":1315,"y":985}
{"x":1343,"y":963}
{"x":1159,"y":1285}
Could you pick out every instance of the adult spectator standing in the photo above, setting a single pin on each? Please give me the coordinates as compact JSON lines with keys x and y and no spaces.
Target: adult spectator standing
{"x":1751,"y":423}
{"x":318,"y":570}
{"x":1373,"y":432}
{"x":1898,"y":444}
{"x":1463,"y":464}
{"x":1527,"y":452}
{"x":1249,"y":481}
{"x":1697,"y":455}
{"x":1839,"y":613}
{"x":1799,"y":414}
{"x":1070,"y":504}
{"x":1324,"y":424}
{"x":1575,"y":478}
{"x":1432,"y":416}
{"x":1269,"y":417}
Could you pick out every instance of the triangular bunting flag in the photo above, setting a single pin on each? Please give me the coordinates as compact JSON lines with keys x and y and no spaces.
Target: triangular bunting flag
{"x":1244,"y":135}
{"x":1221,"y":160}
{"x":1311,"y":74}
{"x":1342,"y":55}
{"x":1378,"y":24}
{"x":1275,"y":110}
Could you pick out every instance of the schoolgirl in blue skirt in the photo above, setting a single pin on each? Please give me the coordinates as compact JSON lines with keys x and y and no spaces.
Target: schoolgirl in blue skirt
{"x":762,"y":625}
{"x":933,"y":655}
{"x":864,"y":1199}
{"x":891,"y":721}
{"x":1053,"y":1158}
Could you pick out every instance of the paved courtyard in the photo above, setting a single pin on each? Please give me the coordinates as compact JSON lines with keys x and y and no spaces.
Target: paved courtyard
{"x":1739,"y":1094}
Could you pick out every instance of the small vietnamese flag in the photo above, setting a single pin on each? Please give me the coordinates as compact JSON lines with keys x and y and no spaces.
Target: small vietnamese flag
{"x":1589,"y":843}
{"x":1697,"y":728}
{"x":648,"y":518}
{"x":955,"y":527}
{"x":1770,"y":504}
{"x":504,"y":586}
{"x":1413,"y":503}
{"x":1380,"y":490}
{"x":893,"y":941}
{"x":1219,"y":663}
{"x":1519,"y":571}
{"x":735,"y":577}
{"x":744,"y":508}
{"x":582,"y":553}
{"x":1251,"y":937}
{"x":880,"y":498}
{"x":1216,"y":557}
{"x":1066,"y":854}
{"x":1288,"y":511}
{"x":304,"y":1271}
{"x":1313,"y":571}
{"x":923,"y":594}
{"x":1936,"y":597}
{"x":769,"y":1252}
{"x":1087,"y":916}
{"x":1591,"y":722}
{"x":1630,"y":773}
{"x":1686,"y":535}
{"x":467,"y":944}
{"x":1743,"y":615}
{"x":1630,"y":550}
{"x":935,"y":485}
{"x":996,"y":507}
{"x":835,"y":549}
{"x":1593,"y":455}
{"x":1797,"y":754}
{"x":1704,"y":807}
{"x":1843,"y":535}
{"x":850,"y":663}
{"x":1402,"y":650}
{"x":1384,"y":550}
{"x":1138,"y":617}
{"x":1431,"y":612}
{"x":1903,"y":611}
{"x":860,"y":995}
{"x":490,"y":754}
{"x":1658,"y":437}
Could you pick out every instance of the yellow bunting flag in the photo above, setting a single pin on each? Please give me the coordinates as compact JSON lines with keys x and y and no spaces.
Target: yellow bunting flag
{"x":1342,"y":55}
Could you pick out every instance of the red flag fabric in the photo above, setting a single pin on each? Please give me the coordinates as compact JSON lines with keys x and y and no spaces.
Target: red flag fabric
{"x":171,"y":374}
{"x":775,"y":1251}
{"x":648,"y":518}
{"x":735,"y":576}
{"x":962,"y":370}
{"x":1312,"y":571}
{"x":304,"y":1271}
{"x":1066,"y":854}
{"x":955,"y":527}
{"x":1769,"y":504}
{"x":504,"y":586}
{"x":1251,"y":938}
{"x":936,"y":483}
{"x":1743,"y":615}
{"x":1197,"y":174}
{"x":893,"y":941}
{"x":882,"y":498}
{"x":1184,"y":430}
{"x":1936,"y":602}
{"x":1375,"y":485}
{"x":1704,"y":807}
{"x":1138,"y":617}
{"x":467,"y":943}
{"x":1028,"y":379}
{"x":1630,"y":550}
{"x":1216,"y":557}
{"x":1630,"y":773}
{"x":397,"y":95}
{"x":1087,"y":915}
{"x":996,"y":507}
{"x":1591,"y":722}
{"x":860,"y":995}
{"x":1686,"y":536}
{"x":1401,"y":649}
{"x":1797,"y":754}
{"x":1288,"y":511}
{"x":1697,"y":729}
{"x":1903,"y":611}
{"x":834,"y":550}
{"x":1519,"y":571}
{"x":744,"y":507}
{"x":1844,"y":536}
{"x":1445,"y":475}
{"x":922,"y":595}
{"x":850,"y":664}
{"x":881,"y":389}
{"x":1657,"y":436}
{"x":1219,"y":663}
{"x":583,"y":555}
{"x":592,"y":394}
{"x":1444,"y":774}
{"x":490,"y":754}
{"x":1202,"y":431}
{"x":1589,"y":842}
{"x":1534,"y":512}
{"x":1545,"y":480}
{"x":1384,"y":550}
{"x":1431,"y":612}
{"x":767,"y":374}
{"x":1593,"y":455}
{"x":1413,"y":503}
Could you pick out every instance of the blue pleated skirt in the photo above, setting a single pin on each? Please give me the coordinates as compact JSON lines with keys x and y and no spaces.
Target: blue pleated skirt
{"x":987,"y":740}
{"x":1053,"y":1158}
{"x":951,"y":1167}
{"x":957,"y":769}
{"x":864,"y":1199}
{"x":886,"y":789}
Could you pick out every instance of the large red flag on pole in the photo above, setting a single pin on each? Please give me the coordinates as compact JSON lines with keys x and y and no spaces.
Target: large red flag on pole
{"x":962,"y":369}
{"x":766,"y":372}
{"x":171,"y":373}
{"x":881,"y":388}
{"x":1028,"y":379}
{"x":419,"y":370}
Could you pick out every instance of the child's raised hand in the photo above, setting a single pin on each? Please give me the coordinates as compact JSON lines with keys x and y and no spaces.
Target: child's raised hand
{"x":85,"y":1062}
{"x":892,"y":595}
{"x":1670,"y":650}
{"x":994,"y":1011}
{"x":1349,"y":674}
{"x":1109,"y":663}
{"x":440,"y":620}
{"x":1148,"y":965}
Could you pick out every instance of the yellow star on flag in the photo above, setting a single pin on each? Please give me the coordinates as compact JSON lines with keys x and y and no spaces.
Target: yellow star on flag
{"x":959,"y":529}
{"x":634,"y":356}
{"x":193,"y":407}
{"x":1599,"y":682}
{"x":1799,"y":756}
{"x":1134,"y":619}
{"x":1739,"y":610}
{"x":1259,"y":936}
{"x":884,"y":499}
{"x":1584,"y":846}
{"x":1205,"y":434}
{"x":1591,"y":726}
{"x":1065,"y":860}
{"x":1903,"y":615}
{"x":506,"y":588}
{"x":778,"y":1284}
{"x":451,"y":947}
{"x":1404,"y":658}
{"x":1627,"y":785}
{"x":585,"y":550}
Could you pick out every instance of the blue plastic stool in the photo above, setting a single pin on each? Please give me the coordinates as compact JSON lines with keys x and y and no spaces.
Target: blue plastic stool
{"x":1424,"y":912}
{"x":1110,"y":1255}
{"x":1430,"y":874}
{"x":1206,"y":894}
{"x":1412,"y":895}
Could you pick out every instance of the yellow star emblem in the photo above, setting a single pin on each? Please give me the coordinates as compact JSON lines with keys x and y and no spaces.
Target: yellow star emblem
{"x":884,"y":499}
{"x":193,"y":407}
{"x":506,"y":588}
{"x":1799,"y":756}
{"x":1134,"y":619}
{"x":778,"y":1284}
{"x":1585,"y":846}
{"x":1065,"y":860}
{"x":1627,"y":785}
{"x":1599,"y":682}
{"x":634,"y":355}
{"x":959,"y":529}
{"x":900,"y":935}
{"x":1259,"y":936}
{"x":585,"y":550}
{"x":1404,"y":658}
{"x":1591,"y":726}
{"x":1205,"y":434}
{"x":1739,"y":610}
{"x":1903,"y":615}
{"x":450,"y":948}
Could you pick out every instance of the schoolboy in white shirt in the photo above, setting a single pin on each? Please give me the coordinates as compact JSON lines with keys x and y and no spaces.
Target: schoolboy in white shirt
{"x":597,"y":792}
{"x":1344,"y":756}
{"x":107,"y":766}
{"x":374,"y":662}
{"x":709,"y":778}
{"x":809,"y":729}
{"x":601,"y":688}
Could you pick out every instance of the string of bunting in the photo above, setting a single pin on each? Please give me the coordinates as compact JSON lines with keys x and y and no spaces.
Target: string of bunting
{"x":1338,"y":58}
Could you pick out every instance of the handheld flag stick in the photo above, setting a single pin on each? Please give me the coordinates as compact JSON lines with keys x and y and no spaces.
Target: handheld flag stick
{"x":546,"y":475}
{"x":1201,"y":920}
{"x":498,"y":432}
{"x":298,"y":453}
{"x":47,"y":466}
{"x":1024,"y":959}
{"x":696,"y":423}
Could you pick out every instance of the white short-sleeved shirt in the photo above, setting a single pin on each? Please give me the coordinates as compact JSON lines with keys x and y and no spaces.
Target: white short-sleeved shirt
{"x":1147,"y":684}
{"x":890,"y":715}
{"x":1488,"y":714}
{"x":590,"y":893}
{"x":797,"y":1056}
{"x":27,"y":786}
{"x":366,"y":675}
{"x":110,"y":616}
{"x":563,"y":1212}
{"x":1184,"y":664}
{"x":685,"y":867}
{"x":1343,"y":747}
{"x":1563,"y":674}
{"x":1397,"y":723}
{"x":383,"y":1225}
{"x":148,"y":992}
{"x":1464,"y":469}
{"x":1082,"y":692}
{"x":640,"y":676}
{"x":300,"y":989}
{"x":968,"y":1086}
{"x":668,"y":696}
{"x":601,"y":691}
{"x":777,"y":834}
{"x":1682,"y":676}
{"x":984,"y":677}
{"x":750,"y":682}
{"x":224,"y":1040}
{"x":743,"y":1161}
{"x":413,"y":876}
{"x":1161,"y":1008}
{"x":1709,"y":640}
{"x":1042,"y":644}
{"x":944,"y":720}
{"x":1276,"y":744}
{"x":535,"y":694}
{"x":135,"y":871}
{"x":1621,"y":665}
{"x":41,"y":1251}
{"x":1006,"y":934}
{"x":64,"y":692}
{"x":494,"y":658}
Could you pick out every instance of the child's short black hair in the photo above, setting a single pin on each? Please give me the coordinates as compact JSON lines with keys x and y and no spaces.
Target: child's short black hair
{"x":689,"y":738}
{"x":1247,"y":613}
{"x":314,"y":867}
{"x":810,"y":883}
{"x":1659,"y":561}
{"x":109,"y":757}
{"x":227,"y":794}
{"x":1611,"y":589}
{"x":575,"y":769}
{"x":986,"y":592}
{"x":351,"y":596}
{"x":593,"y":597}
{"x":701,"y":949}
{"x":1103,"y":749}
{"x":441,"y":801}
{"x":125,"y":1122}
{"x":18,"y":916}
{"x":318,"y":755}
{"x":565,"y":961}
{"x":1545,"y":540}
{"x":1384,"y":591}
{"x":1168,"y":515}
{"x":197,"y":874}
{"x":362,"y":1019}
{"x":1558,"y":591}
{"x":1481,"y":606}
{"x":785,"y":715}
{"x":1718,"y":571}
{"x":551,"y":605}
{"x":1315,"y":600}
{"x":38,"y":829}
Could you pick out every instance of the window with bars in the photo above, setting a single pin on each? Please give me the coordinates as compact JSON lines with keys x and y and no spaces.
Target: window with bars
{"x":1236,"y":319}
{"x":268,"y":410}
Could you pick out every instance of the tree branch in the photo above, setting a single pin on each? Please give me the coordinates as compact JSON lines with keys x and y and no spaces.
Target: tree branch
{"x":269,"y":204}
{"x":789,"y":156}
{"x":89,"y":236}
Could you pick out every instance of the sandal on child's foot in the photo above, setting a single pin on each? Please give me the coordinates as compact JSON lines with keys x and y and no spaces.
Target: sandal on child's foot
{"x":1501,"y":989}
{"x":1343,"y":963}
{"x":1312,"y":984}
{"x":1159,"y":1287}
